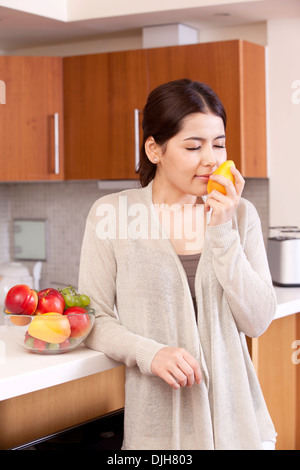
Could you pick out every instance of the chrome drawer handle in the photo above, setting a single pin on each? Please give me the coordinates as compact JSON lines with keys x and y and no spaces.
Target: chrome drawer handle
{"x":136,"y":140}
{"x":56,"y":143}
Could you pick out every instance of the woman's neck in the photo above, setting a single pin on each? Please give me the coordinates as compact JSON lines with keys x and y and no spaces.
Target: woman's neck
{"x":167,"y":194}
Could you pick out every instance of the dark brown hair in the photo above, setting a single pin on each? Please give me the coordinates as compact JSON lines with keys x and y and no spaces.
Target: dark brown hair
{"x":166,"y":107}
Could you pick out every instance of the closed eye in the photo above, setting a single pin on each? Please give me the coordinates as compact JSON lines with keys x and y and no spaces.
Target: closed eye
{"x":194,"y":148}
{"x":199,"y":147}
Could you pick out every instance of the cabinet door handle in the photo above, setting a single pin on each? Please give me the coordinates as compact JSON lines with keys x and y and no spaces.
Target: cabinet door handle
{"x":56,"y":143}
{"x":136,"y":140}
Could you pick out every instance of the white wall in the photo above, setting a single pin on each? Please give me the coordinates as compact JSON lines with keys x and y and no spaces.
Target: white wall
{"x":254,"y":32}
{"x":133,"y":39}
{"x":76,"y":10}
{"x":122,"y":41}
{"x":284,"y":121}
{"x":56,"y":9}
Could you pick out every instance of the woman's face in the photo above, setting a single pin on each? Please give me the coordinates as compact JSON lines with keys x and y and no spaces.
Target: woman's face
{"x":191,"y":156}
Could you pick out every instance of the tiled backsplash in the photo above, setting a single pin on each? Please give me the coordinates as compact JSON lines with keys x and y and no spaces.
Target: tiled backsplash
{"x":66,"y":205}
{"x":4,"y":222}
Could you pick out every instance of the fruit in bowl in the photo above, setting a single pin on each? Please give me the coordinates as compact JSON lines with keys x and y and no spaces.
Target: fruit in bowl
{"x":47,"y":331}
{"x":50,"y":328}
{"x":50,"y":300}
{"x":21,"y":299}
{"x":79,"y":321}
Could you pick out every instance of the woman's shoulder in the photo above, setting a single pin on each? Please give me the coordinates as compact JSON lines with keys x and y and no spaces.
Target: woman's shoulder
{"x":247,"y":213}
{"x":119,"y":200}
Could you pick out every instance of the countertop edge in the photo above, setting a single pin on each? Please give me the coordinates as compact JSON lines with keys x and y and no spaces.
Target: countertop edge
{"x":56,"y":374}
{"x":288,"y":301}
{"x":48,"y":371}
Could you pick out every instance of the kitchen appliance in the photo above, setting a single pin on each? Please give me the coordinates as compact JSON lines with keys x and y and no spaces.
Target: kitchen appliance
{"x":103,"y":433}
{"x":13,"y":273}
{"x":283,"y":250}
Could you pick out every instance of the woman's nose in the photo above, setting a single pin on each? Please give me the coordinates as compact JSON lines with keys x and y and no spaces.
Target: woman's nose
{"x":208,"y":156}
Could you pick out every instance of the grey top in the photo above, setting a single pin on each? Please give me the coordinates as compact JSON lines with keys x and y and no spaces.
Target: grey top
{"x":190,"y":263}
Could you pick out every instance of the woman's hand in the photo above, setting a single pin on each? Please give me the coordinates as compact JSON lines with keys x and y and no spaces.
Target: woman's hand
{"x":177,"y":367}
{"x":224,"y":206}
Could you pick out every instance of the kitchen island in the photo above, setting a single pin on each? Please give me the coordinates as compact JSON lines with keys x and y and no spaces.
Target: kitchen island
{"x":22,"y":371}
{"x":275,"y":358}
{"x":43,"y":394}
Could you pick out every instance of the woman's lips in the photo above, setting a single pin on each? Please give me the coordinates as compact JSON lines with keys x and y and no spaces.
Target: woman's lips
{"x":203,"y":177}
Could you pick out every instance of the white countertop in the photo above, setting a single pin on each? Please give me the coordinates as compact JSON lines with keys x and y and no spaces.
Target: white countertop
{"x":288,"y":301}
{"x":23,"y":372}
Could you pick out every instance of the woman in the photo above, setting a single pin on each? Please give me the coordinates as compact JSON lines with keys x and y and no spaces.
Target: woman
{"x":185,"y":299}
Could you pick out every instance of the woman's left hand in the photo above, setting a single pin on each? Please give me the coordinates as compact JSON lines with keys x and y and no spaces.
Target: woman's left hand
{"x":223,"y":205}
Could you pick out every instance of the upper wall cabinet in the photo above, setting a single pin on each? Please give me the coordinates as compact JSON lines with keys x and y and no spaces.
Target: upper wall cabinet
{"x":236,"y":72}
{"x":31,"y":121}
{"x":103,"y":93}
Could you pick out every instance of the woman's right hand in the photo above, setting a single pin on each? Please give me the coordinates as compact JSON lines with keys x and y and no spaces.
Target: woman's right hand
{"x":177,"y":367}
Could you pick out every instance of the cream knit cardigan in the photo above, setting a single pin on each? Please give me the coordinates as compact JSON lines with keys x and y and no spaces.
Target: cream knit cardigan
{"x":144,"y":278}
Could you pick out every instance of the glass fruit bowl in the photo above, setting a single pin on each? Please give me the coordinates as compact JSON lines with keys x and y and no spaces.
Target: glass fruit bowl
{"x":50,"y":333}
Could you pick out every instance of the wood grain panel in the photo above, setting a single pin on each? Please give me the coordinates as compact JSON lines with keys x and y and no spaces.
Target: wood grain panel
{"x":272,"y":357}
{"x":235,"y":70}
{"x":297,"y":365}
{"x":38,"y":414}
{"x":101,"y":92}
{"x":217,"y":65}
{"x":253,"y":110}
{"x":34,"y":93}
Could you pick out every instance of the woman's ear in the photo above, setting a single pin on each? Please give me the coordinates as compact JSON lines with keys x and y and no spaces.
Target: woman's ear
{"x":152,"y":150}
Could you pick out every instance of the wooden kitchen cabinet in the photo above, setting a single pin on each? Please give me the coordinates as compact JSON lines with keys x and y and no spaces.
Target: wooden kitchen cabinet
{"x":279,"y":377}
{"x":104,"y":94}
{"x":102,"y":91}
{"x":31,"y":121}
{"x":41,"y":413}
{"x":235,"y":70}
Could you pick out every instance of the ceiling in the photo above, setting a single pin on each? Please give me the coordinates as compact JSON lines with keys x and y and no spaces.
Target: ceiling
{"x":20,"y":30}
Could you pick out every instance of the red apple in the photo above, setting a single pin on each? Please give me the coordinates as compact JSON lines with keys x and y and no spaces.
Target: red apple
{"x":21,"y":299}
{"x":50,"y":300}
{"x":65,"y":344}
{"x":34,"y":343}
{"x":79,"y":321}
{"x":39,"y":344}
